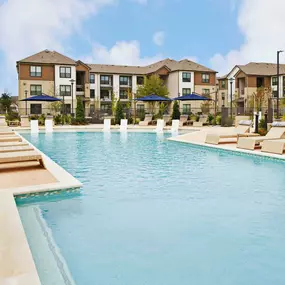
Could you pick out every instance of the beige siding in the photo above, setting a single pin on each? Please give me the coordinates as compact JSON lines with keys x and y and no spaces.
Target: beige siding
{"x":173,"y":84}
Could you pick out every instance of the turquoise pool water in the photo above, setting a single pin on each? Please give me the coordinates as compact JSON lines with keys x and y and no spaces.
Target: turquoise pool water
{"x":154,"y":212}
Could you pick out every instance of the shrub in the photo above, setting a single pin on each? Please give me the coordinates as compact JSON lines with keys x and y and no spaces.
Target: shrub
{"x":218,"y":119}
{"x":262,"y":124}
{"x":57,"y":119}
{"x":119,"y":113}
{"x":210,"y":119}
{"x":80,"y":117}
{"x":141,"y":115}
{"x":228,"y":122}
{"x":262,"y":131}
{"x":175,"y":112}
{"x":34,"y":117}
{"x":42,"y":118}
{"x":12,"y":116}
{"x":283,"y":117}
{"x":130,"y":120}
{"x":67,"y":119}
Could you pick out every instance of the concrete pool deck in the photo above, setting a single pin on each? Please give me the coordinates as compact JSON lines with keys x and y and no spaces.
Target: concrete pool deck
{"x":198,"y":138}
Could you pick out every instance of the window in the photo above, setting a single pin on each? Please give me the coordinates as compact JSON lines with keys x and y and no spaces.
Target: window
{"x":186,"y":77}
{"x":223,"y":84}
{"x":259,"y":82}
{"x":105,"y":107}
{"x":123,"y":94}
{"x":65,"y":72}
{"x":206,"y":92}
{"x":105,"y":79}
{"x":124,"y":80}
{"x":35,"y":71}
{"x":92,"y":78}
{"x":36,"y":90}
{"x":186,"y":109}
{"x":66,"y":109}
{"x":36,"y":109}
{"x":186,"y":91}
{"x":65,"y":90}
{"x":140,"y":107}
{"x":92,"y":93}
{"x":274,"y":80}
{"x":140,"y":80}
{"x":105,"y":95}
{"x":206,"y":78}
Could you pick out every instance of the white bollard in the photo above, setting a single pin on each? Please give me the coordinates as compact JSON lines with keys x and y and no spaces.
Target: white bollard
{"x":124,"y":125}
{"x":107,"y":125}
{"x":34,"y":126}
{"x":159,"y":126}
{"x":175,"y":126}
{"x":49,"y":126}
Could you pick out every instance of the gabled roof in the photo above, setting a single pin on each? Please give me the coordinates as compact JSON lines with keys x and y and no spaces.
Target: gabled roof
{"x":261,"y":68}
{"x":48,"y":57}
{"x":170,"y":64}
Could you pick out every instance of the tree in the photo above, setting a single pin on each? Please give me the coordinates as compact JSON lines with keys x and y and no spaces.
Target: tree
{"x":119,"y":112}
{"x":175,"y":112}
{"x":153,"y":85}
{"x":80,"y":117}
{"x":259,"y":99}
{"x":5,"y":101}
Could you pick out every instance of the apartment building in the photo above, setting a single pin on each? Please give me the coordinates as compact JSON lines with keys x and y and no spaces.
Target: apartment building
{"x":54,"y":74}
{"x":246,"y":79}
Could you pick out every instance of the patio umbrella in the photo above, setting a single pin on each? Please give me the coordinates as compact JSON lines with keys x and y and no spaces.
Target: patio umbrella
{"x":193,"y":97}
{"x":42,"y":98}
{"x":153,"y":98}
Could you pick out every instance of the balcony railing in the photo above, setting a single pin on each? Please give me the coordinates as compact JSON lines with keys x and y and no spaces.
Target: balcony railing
{"x":106,"y":82}
{"x":124,"y":97}
{"x":105,"y":98}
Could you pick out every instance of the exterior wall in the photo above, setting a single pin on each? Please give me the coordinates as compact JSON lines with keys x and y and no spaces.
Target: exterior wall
{"x":134,"y":84}
{"x":81,"y":67}
{"x":64,"y":81}
{"x":212,"y":88}
{"x":47,"y":72}
{"x":198,"y":78}
{"x":185,"y":84}
{"x":172,"y":84}
{"x":47,"y":88}
{"x":116,"y":85}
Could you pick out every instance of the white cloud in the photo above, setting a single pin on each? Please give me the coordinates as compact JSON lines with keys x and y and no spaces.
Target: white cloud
{"x":142,"y":2}
{"x":122,"y":53}
{"x":29,"y":26}
{"x":262,"y":23}
{"x":158,"y":38}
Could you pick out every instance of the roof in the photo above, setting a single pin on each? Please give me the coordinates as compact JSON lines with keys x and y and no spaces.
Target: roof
{"x":261,"y":68}
{"x":48,"y":57}
{"x":172,"y":65}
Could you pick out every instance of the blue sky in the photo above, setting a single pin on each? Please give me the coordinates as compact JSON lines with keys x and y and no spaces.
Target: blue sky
{"x":215,"y":33}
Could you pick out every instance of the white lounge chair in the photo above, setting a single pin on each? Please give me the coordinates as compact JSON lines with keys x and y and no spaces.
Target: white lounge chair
{"x":147,"y":120}
{"x":203,"y":120}
{"x":274,"y":146}
{"x":124,"y":125}
{"x":183,"y":120}
{"x":276,"y":132}
{"x":242,"y":129}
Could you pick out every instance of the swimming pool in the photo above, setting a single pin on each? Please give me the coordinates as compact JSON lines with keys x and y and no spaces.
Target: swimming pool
{"x":154,"y":212}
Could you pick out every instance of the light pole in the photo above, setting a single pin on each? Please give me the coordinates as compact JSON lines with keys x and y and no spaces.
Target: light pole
{"x":278,"y":54}
{"x":72,"y":82}
{"x":26,"y":94}
{"x":231,"y":82}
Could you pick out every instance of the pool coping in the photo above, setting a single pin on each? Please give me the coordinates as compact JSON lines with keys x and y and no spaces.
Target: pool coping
{"x":17,"y":262}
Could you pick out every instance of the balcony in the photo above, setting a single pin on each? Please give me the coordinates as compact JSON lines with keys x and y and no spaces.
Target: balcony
{"x":106,"y":83}
{"x":124,"y":97}
{"x":105,"y":98}
{"x":80,"y":90}
{"x":125,"y":84}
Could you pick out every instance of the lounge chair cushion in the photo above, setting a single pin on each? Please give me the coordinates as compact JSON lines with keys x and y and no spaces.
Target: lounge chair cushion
{"x":245,"y":122}
{"x":278,"y":124}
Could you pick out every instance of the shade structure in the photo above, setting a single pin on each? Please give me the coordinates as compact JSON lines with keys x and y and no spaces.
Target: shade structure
{"x":193,"y":97}
{"x":41,"y":98}
{"x":153,"y":98}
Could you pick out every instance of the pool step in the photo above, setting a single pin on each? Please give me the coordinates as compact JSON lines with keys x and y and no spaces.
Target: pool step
{"x":7,"y":133}
{"x":9,"y":144}
{"x":10,"y":139}
{"x":15,"y":148}
{"x":19,"y":165}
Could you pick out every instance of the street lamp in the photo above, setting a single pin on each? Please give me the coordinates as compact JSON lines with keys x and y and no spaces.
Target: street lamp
{"x":72,"y":82}
{"x":231,"y":82}
{"x":26,"y":94}
{"x":278,"y":54}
